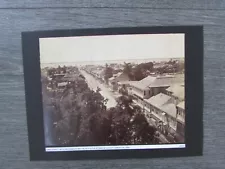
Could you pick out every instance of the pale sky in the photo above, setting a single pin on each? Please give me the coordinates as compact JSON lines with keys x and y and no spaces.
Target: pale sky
{"x":111,"y":47}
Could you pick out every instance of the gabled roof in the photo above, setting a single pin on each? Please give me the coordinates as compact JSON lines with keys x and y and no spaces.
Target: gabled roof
{"x":159,"y":81}
{"x":164,"y":103}
{"x":159,"y":100}
{"x":177,"y":90}
{"x":115,"y":76}
{"x":144,"y":83}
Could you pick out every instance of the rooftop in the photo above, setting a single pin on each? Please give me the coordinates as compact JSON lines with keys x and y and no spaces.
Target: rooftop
{"x":159,"y":81}
{"x":169,"y":109}
{"x":181,"y":105}
{"x":164,"y":103}
{"x":166,"y":80}
{"x":115,"y":76}
{"x":144,"y":83}
{"x":159,"y":100}
{"x":177,"y":90}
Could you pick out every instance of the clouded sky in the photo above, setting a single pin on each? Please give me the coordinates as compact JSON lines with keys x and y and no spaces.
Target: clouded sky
{"x":103,"y":48}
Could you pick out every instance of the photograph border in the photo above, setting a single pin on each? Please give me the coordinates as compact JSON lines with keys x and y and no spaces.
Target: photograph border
{"x":193,"y":94}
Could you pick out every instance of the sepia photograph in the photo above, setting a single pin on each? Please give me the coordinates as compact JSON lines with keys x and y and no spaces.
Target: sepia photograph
{"x":113,"y":90}
{"x":114,"y":93}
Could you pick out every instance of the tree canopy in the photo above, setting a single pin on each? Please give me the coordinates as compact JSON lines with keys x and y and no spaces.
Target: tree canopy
{"x":108,"y":72}
{"x":81,"y":118}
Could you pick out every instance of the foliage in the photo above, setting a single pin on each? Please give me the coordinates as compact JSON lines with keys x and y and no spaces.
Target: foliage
{"x":81,"y":118}
{"x":128,"y":70}
{"x":138,"y":73}
{"x":108,"y":73}
{"x":129,"y":125}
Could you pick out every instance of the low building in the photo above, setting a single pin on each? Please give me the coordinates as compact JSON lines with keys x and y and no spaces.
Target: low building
{"x":177,"y":92}
{"x":161,"y":108}
{"x":168,"y":117}
{"x":181,"y":120}
{"x":140,"y":88}
{"x":153,"y":85}
{"x":119,"y":77}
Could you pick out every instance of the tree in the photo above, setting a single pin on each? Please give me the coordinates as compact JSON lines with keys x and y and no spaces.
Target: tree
{"x":74,"y":114}
{"x":142,"y":132}
{"x":81,"y":118}
{"x":138,"y":73}
{"x":119,"y":120}
{"x":123,"y":90}
{"x":147,"y":66}
{"x":128,"y":70}
{"x":108,"y":73}
{"x":51,"y":72}
{"x":125,"y":102}
{"x":64,"y":69}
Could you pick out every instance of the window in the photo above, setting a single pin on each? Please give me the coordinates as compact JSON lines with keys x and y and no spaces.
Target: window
{"x":153,"y":110}
{"x":144,"y":93}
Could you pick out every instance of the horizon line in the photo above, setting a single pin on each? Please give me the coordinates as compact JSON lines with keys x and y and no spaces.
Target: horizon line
{"x":109,"y":60}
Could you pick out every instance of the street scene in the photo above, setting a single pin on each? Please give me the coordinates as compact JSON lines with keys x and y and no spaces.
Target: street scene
{"x":90,"y":99}
{"x":114,"y":95}
{"x":95,"y":84}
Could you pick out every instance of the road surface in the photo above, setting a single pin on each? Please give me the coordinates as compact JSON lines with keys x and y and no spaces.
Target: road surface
{"x":105,"y":92}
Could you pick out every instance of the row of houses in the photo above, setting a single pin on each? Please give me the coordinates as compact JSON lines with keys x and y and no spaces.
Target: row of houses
{"x":160,"y":96}
{"x":162,"y":99}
